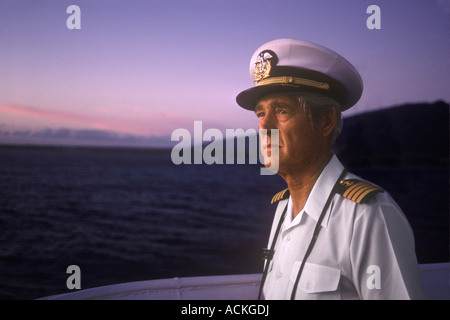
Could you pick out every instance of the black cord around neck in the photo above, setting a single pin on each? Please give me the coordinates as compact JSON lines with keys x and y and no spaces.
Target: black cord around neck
{"x":316,"y":233}
{"x":311,"y":244}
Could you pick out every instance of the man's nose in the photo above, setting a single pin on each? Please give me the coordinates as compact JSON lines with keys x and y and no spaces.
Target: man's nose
{"x":268,"y":122}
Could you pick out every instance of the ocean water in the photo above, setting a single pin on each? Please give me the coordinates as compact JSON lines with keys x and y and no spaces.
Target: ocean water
{"x":129,"y":215}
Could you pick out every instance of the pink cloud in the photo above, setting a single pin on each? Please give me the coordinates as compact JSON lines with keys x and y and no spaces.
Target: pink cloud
{"x":39,"y":113}
{"x":51,"y":115}
{"x":135,"y":120}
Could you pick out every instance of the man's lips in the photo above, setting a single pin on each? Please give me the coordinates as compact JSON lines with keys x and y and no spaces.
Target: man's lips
{"x":269,"y":147}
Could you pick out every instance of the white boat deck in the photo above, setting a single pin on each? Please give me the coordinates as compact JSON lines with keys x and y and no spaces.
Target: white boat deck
{"x":435,"y":279}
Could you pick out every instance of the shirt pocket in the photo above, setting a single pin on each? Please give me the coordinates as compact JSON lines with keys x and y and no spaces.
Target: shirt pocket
{"x":316,"y":282}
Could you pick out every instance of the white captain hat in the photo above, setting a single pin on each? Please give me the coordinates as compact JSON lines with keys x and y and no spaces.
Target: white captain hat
{"x":287,"y":65}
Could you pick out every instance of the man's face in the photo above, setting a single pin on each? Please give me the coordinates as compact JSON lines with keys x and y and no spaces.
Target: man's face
{"x":299,"y":144}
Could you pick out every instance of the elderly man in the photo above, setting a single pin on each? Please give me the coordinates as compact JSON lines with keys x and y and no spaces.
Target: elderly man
{"x":334,"y":236}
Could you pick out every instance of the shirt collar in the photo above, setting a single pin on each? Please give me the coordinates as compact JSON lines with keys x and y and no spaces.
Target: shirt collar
{"x":319,"y":193}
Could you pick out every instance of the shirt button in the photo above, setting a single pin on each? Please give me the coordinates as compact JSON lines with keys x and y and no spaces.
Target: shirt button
{"x":279,"y":274}
{"x":288,"y":238}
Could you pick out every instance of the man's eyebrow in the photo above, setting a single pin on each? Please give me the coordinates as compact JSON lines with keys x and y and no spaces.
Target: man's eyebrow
{"x":276,"y":103}
{"x":273,"y":104}
{"x":258,"y":107}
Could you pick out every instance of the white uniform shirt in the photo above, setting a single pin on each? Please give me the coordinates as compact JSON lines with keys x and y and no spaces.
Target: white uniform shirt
{"x":363,"y":251}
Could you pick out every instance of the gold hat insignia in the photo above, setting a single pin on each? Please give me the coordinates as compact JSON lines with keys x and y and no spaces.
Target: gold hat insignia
{"x":264,"y":63}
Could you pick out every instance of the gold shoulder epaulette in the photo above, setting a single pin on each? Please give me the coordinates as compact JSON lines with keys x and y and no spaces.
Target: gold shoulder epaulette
{"x":280,"y":196}
{"x":357,"y":190}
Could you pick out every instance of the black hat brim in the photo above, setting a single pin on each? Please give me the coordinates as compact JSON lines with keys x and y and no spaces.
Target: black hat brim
{"x":249,"y":98}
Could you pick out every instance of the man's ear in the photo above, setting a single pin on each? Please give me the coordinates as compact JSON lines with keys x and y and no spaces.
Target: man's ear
{"x":328,"y":122}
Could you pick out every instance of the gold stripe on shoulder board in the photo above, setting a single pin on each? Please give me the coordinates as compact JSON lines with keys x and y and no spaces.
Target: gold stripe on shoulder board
{"x":357,"y":190}
{"x":280,"y":196}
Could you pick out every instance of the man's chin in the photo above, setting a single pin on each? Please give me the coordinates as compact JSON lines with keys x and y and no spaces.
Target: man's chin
{"x":272,"y":165}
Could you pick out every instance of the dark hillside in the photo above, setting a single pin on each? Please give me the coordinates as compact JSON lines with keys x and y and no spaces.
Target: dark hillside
{"x":408,"y":134}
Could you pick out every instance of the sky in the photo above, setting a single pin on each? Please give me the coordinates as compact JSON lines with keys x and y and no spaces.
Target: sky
{"x":150,"y":67}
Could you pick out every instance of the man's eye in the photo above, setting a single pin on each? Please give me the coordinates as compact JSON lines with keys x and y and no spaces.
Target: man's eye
{"x":259,"y":114}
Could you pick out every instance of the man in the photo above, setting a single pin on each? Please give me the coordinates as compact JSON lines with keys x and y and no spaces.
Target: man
{"x":334,"y":236}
